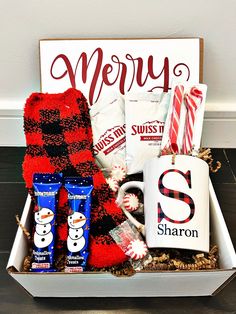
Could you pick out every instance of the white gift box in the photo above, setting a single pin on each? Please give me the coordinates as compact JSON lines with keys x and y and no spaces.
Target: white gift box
{"x":142,"y":284}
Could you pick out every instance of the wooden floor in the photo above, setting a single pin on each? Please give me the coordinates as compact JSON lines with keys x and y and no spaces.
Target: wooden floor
{"x":13,"y":299}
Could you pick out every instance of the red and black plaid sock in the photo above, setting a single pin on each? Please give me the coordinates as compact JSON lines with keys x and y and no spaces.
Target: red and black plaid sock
{"x":59,"y":139}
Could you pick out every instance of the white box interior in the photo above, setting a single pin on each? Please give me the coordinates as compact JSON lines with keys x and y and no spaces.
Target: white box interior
{"x":162,"y":283}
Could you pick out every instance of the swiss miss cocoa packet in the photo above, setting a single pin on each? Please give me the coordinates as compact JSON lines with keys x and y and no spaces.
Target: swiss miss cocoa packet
{"x":108,"y":125}
{"x":145,"y":115}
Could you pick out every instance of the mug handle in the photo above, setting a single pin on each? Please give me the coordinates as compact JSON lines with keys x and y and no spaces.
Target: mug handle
{"x":119,"y":201}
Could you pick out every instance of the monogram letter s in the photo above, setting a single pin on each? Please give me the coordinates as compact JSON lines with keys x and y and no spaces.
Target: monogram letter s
{"x":176,"y":195}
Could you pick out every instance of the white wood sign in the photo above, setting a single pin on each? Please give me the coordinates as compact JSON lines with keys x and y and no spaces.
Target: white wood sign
{"x":97,"y":66}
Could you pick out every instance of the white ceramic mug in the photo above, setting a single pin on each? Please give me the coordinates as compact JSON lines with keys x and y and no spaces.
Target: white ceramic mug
{"x":176,"y":202}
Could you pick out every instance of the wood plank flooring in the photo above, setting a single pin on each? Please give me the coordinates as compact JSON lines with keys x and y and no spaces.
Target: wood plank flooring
{"x":13,"y":299}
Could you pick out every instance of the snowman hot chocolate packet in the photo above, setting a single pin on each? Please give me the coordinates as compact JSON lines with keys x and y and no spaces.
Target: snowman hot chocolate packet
{"x":145,"y":115}
{"x":46,"y":187}
{"x":108,"y":125}
{"x":79,"y":196}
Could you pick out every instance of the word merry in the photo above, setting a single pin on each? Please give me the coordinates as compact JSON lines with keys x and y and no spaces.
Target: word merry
{"x":164,"y":230}
{"x":115,"y":72}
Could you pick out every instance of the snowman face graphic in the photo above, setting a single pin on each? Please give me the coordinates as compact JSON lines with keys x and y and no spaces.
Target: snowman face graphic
{"x":44,"y":216}
{"x":76,"y":220}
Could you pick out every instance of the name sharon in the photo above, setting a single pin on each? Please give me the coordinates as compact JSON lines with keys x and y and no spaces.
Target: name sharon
{"x":164,"y":230}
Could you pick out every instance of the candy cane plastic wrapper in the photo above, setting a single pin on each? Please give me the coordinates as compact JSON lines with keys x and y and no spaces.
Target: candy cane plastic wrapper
{"x":198,"y":120}
{"x":194,"y":100}
{"x":130,"y":241}
{"x":175,"y":117}
{"x":108,"y":126}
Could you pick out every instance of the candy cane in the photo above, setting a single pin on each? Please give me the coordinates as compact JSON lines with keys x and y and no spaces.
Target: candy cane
{"x":175,"y":118}
{"x":192,"y":102}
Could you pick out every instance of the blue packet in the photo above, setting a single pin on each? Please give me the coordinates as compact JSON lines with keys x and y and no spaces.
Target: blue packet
{"x":79,"y":197}
{"x":46,"y":188}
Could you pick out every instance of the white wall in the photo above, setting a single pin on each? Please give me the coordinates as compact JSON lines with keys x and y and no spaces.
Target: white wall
{"x":23,"y":23}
